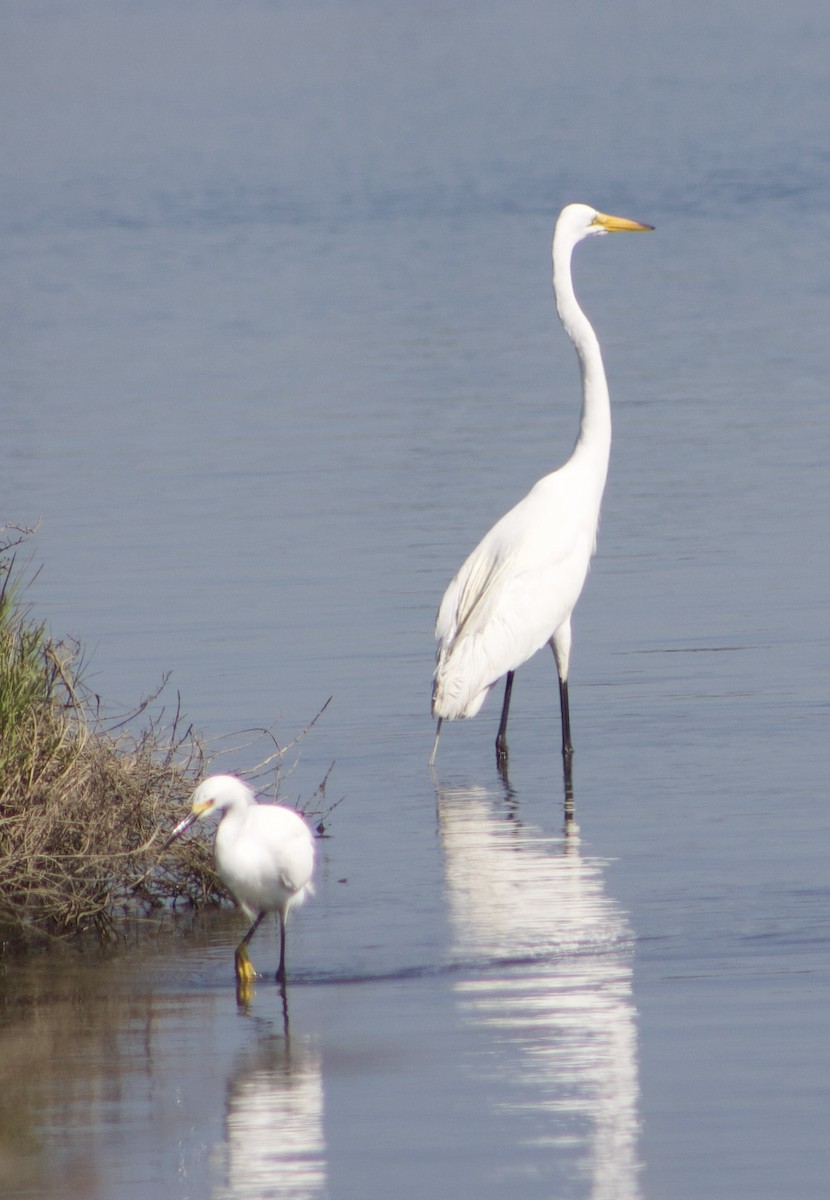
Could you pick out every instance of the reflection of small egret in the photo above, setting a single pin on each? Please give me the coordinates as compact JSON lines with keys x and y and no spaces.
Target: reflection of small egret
{"x":264,"y":855}
{"x":274,"y":1125}
{"x":518,"y":588}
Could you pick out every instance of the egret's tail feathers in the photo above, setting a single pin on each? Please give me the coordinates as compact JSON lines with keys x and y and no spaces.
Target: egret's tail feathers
{"x":460,"y":686}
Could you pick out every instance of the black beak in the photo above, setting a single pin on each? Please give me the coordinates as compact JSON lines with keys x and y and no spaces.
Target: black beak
{"x":181,"y":828}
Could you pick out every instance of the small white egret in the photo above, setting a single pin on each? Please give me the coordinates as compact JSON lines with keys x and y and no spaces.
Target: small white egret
{"x":264,"y":856}
{"x":518,"y":588}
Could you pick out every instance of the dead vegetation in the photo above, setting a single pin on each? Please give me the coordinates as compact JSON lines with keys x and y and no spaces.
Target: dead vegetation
{"x":86,"y":801}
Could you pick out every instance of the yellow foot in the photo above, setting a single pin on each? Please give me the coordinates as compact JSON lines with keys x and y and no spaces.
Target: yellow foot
{"x":245,"y":973}
{"x":244,"y":993}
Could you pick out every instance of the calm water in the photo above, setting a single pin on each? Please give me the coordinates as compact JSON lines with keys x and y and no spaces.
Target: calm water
{"x":278,"y":345}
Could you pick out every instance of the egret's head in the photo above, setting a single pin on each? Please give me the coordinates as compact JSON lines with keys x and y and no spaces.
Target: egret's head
{"x":219,"y":792}
{"x":578,"y":221}
{"x":213,"y":795}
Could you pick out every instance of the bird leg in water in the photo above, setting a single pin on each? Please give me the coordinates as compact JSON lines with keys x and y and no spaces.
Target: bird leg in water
{"x":567,"y":750}
{"x":567,"y":746}
{"x":501,"y":736}
{"x":245,"y":973}
{"x":281,"y":968}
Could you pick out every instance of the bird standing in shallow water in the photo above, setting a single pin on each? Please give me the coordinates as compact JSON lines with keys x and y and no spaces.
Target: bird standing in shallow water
{"x":264,"y":856}
{"x":518,"y":588}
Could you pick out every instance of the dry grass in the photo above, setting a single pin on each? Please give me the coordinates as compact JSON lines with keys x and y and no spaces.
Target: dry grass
{"x":85,"y":802}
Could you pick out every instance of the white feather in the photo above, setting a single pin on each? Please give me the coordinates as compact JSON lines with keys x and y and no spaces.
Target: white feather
{"x":517,"y":589}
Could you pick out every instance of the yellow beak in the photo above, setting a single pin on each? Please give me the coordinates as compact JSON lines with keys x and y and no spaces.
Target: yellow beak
{"x":619,"y":224}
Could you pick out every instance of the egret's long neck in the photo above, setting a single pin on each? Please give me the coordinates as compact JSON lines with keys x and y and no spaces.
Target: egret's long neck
{"x":231,"y":823}
{"x":594,"y":439}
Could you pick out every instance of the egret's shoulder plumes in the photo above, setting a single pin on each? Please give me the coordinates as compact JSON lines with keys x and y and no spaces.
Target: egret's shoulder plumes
{"x":264,"y":856}
{"x":518,"y":588}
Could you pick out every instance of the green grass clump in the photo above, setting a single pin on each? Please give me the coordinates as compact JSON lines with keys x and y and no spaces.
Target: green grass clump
{"x":83,"y":803}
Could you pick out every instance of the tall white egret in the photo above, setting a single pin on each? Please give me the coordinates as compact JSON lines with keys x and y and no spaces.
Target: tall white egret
{"x":518,"y":588}
{"x":264,"y":855}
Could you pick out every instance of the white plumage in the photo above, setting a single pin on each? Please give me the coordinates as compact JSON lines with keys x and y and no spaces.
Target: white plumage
{"x":264,"y":856}
{"x":518,"y":588}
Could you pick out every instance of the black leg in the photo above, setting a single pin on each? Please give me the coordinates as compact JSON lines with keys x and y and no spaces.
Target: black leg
{"x":501,"y":736}
{"x":253,"y":929}
{"x":281,"y":967}
{"x":567,"y":749}
{"x":567,"y":745}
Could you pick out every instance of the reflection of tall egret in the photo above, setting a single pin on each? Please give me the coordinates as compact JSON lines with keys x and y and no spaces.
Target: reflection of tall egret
{"x":275,"y":1144}
{"x":518,"y":588}
{"x":546,"y":960}
{"x":264,"y":855}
